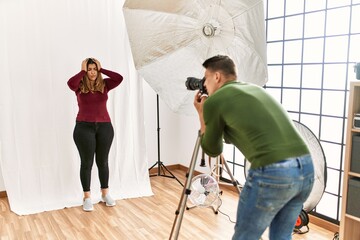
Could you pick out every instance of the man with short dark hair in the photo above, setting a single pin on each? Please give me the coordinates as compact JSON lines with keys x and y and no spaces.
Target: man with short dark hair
{"x":281,"y":175}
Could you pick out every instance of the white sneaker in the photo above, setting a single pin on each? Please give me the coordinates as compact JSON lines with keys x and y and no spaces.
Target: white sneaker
{"x":87,"y":205}
{"x":108,"y":200}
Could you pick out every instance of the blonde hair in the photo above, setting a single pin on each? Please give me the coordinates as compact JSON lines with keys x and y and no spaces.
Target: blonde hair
{"x":98,"y":86}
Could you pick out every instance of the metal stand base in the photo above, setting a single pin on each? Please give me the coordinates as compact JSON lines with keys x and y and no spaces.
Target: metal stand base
{"x":215,"y":206}
{"x":162,"y":172}
{"x":161,"y":166}
{"x":186,"y":191}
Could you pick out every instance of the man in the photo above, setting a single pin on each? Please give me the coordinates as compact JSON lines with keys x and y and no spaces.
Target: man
{"x":281,"y":175}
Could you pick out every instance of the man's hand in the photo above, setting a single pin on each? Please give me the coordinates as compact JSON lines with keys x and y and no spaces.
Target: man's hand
{"x":199,"y":103}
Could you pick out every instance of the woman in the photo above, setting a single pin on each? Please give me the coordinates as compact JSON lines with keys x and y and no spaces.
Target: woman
{"x":93,"y":133}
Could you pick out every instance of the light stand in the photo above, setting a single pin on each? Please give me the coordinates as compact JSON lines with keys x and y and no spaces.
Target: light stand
{"x":186,"y":191}
{"x":161,"y":169}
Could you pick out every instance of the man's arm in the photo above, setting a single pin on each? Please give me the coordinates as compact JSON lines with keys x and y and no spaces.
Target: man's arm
{"x":211,"y":135}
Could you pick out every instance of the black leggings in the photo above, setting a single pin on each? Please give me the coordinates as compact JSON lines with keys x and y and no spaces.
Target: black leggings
{"x":93,"y":138}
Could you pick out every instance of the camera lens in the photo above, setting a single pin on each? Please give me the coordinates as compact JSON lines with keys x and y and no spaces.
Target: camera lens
{"x":193,"y":83}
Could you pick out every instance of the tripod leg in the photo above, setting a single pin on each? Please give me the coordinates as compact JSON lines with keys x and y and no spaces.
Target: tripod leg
{"x":186,"y":191}
{"x":172,"y":175}
{"x":223,"y":161}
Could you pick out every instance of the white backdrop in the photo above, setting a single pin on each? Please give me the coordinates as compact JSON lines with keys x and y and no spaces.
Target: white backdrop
{"x":42,"y":45}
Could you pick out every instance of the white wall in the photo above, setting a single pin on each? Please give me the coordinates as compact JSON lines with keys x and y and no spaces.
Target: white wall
{"x":178,"y":134}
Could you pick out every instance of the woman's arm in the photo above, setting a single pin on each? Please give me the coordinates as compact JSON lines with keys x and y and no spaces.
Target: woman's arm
{"x":114,"y":78}
{"x":74,"y":82}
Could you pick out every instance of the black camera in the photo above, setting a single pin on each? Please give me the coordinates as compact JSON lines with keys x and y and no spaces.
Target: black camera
{"x":357,"y":70}
{"x":196,"y":84}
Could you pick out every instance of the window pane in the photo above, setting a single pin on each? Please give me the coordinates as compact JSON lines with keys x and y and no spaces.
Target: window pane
{"x":332,"y":153}
{"x":311,"y":5}
{"x":338,"y":21}
{"x":313,"y":50}
{"x":328,"y":205}
{"x":291,"y":99}
{"x":346,"y":108}
{"x":275,"y":29}
{"x":331,"y":129}
{"x":294,"y":6}
{"x":275,"y":8}
{"x":228,"y":152}
{"x":332,"y":184}
{"x":314,"y":24}
{"x":335,"y":76}
{"x":294,"y":27}
{"x":292,"y":52}
{"x":355,"y":19}
{"x":354,"y":48}
{"x":275,"y":73}
{"x":338,"y":3}
{"x":312,"y":75}
{"x":292,"y":76}
{"x":294,"y":116}
{"x":310,"y":101}
{"x":239,"y":174}
{"x":274,"y":52}
{"x":336,"y":49}
{"x":333,"y":103}
{"x":239,"y":157}
{"x":276,"y":93}
{"x":351,"y":73}
{"x":239,"y":170}
{"x":312,"y":122}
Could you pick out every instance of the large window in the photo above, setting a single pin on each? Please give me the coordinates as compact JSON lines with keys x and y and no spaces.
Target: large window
{"x":312,"y":47}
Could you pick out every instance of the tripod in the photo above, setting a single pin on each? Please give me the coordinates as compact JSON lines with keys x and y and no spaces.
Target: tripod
{"x":161,"y":170}
{"x":186,"y":191}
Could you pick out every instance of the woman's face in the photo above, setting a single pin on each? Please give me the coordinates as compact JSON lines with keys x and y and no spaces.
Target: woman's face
{"x":92,"y":71}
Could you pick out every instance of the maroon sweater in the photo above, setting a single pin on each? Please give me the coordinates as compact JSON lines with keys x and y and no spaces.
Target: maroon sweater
{"x":92,"y":106}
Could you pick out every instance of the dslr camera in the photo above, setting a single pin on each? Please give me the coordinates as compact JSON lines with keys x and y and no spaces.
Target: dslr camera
{"x":193,"y":83}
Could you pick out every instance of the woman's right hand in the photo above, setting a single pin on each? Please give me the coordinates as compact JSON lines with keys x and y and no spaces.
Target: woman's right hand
{"x":83,"y":65}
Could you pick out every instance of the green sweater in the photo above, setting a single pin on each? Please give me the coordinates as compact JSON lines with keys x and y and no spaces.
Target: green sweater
{"x":249,"y":118}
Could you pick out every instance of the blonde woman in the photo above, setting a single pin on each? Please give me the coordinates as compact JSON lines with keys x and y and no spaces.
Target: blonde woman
{"x":93,"y":133}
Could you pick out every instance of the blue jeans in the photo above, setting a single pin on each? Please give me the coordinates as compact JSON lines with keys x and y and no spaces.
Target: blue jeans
{"x":273,"y":196}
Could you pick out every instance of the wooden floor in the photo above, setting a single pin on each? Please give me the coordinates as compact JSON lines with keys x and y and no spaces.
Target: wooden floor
{"x":141,"y":218}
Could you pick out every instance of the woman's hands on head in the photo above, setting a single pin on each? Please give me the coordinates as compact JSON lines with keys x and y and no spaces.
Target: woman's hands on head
{"x":97,"y":63}
{"x":84,"y":64}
